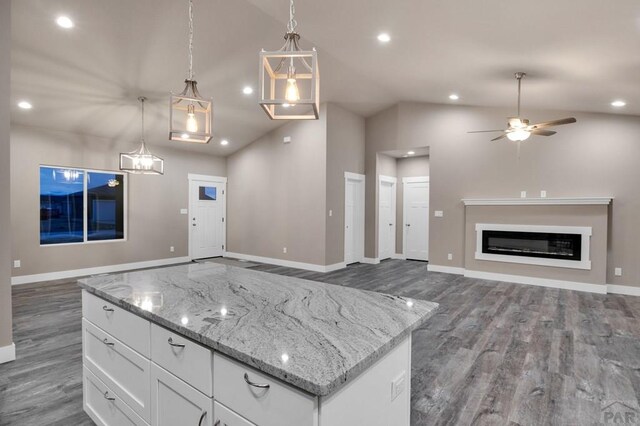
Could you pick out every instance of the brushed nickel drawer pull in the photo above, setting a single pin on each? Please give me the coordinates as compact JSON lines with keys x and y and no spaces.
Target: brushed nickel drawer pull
{"x":176,"y":345}
{"x":108,"y":343}
{"x":204,"y":413}
{"x":255,"y":385}
{"x":107,"y":309}
{"x":107,"y":397}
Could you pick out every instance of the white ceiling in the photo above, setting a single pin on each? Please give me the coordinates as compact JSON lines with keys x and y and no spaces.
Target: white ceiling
{"x":579,"y":55}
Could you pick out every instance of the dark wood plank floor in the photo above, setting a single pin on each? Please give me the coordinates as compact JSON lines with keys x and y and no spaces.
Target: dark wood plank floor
{"x":495,"y":353}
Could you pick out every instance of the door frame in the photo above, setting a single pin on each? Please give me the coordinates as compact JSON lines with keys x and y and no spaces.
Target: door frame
{"x":213,"y":179}
{"x":394,"y":183}
{"x":361,"y":181}
{"x":405,"y":181}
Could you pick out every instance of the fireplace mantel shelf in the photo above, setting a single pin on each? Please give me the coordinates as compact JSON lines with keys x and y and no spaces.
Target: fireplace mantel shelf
{"x":537,"y":201}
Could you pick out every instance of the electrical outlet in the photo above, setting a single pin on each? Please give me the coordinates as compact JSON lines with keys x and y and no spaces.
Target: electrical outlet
{"x":543,"y":194}
{"x":438,"y":213}
{"x":172,"y":249}
{"x":618,"y":272}
{"x":16,"y":263}
{"x":523,"y":194}
{"x":398,"y":385}
{"x":184,"y":211}
{"x":450,"y":256}
{"x":284,"y":249}
{"x":330,"y":213}
{"x":287,"y":139}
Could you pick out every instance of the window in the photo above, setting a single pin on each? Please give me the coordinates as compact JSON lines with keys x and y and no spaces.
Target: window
{"x":78,"y":206}
{"x":208,"y":193}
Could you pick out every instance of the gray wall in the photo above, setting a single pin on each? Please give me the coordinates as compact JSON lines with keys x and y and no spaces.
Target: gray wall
{"x":407,"y":167}
{"x":345,"y":153}
{"x":154,"y":219}
{"x":277,"y":194}
{"x":5,"y":164}
{"x":595,"y":157}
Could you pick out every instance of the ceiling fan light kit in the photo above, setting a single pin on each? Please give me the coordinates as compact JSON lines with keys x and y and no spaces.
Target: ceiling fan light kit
{"x":190,"y":115}
{"x":290,"y":79}
{"x":519,"y":128}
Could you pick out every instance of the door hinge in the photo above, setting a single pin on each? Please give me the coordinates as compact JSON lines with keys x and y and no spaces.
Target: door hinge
{"x":223,"y":247}
{"x":223,"y":192}
{"x":223,"y":219}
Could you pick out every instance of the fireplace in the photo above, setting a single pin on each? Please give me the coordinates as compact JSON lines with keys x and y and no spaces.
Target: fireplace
{"x":561,"y":246}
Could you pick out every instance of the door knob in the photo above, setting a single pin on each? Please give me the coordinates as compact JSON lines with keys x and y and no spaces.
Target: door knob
{"x":391,"y":224}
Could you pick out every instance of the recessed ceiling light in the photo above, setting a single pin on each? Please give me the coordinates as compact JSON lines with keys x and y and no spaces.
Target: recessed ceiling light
{"x":454,"y":97}
{"x":618,"y":104}
{"x":224,"y":142}
{"x":247,"y":90}
{"x":384,"y":38}
{"x":25,"y":105}
{"x":411,"y":153}
{"x":64,"y":22}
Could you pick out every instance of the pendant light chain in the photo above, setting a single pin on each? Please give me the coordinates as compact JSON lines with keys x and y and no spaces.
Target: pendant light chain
{"x":191,"y":39}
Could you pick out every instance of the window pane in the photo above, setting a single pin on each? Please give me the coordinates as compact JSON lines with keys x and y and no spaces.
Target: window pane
{"x":61,"y":205}
{"x":208,"y":193}
{"x":105,"y":206}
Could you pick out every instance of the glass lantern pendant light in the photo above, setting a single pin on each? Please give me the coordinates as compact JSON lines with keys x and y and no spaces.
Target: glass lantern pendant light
{"x":141,"y":161}
{"x":190,"y":113}
{"x":289,"y":79}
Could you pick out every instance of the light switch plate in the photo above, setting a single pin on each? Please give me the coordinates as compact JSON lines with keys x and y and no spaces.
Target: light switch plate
{"x":330,"y":213}
{"x":172,"y":249}
{"x":450,"y":256}
{"x":287,"y":139}
{"x":184,"y":211}
{"x":398,"y":385}
{"x":618,"y":272}
{"x":438,"y":213}
{"x":543,"y":194}
{"x":16,"y":263}
{"x":284,"y":249}
{"x":523,"y":194}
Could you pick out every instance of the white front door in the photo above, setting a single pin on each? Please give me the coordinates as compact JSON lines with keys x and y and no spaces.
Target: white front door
{"x":353,"y":218}
{"x":206,"y":218}
{"x":416,"y":219}
{"x":387,"y":219}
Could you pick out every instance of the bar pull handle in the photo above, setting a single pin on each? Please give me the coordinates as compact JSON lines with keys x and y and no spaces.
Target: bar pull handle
{"x":107,"y":309}
{"x":255,"y":385}
{"x":175,"y":345}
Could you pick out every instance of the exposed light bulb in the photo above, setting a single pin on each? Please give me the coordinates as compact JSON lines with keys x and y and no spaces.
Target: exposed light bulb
{"x":518,"y":135}
{"x":192,"y":123}
{"x":292,"y":93}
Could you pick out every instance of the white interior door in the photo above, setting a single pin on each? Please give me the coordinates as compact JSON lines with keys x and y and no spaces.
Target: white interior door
{"x":206,"y":218}
{"x":387,"y":219}
{"x":353,"y":218}
{"x":416,"y":219}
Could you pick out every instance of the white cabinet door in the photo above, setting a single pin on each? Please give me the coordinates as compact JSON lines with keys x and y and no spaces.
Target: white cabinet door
{"x":174,"y":402}
{"x":416,"y":213}
{"x":226,"y":417}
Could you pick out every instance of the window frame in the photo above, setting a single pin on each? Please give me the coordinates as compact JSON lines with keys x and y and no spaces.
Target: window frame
{"x":85,"y":202}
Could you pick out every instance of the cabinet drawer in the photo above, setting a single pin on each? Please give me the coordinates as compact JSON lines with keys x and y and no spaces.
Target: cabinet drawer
{"x":226,"y":417}
{"x":278,"y":405}
{"x":189,"y":361}
{"x":119,"y":367}
{"x":105,"y":406}
{"x":175,"y":403}
{"x":124,"y":326}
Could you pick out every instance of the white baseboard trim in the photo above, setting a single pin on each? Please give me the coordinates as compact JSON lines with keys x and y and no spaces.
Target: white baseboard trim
{"x":50,"y":276}
{"x":288,"y":263}
{"x":446,"y":269}
{"x":541,"y":282}
{"x":399,"y":256}
{"x":623,"y":289}
{"x":370,"y":260}
{"x":8,"y":353}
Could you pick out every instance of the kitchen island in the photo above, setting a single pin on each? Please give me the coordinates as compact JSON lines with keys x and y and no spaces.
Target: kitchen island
{"x":209,"y":344}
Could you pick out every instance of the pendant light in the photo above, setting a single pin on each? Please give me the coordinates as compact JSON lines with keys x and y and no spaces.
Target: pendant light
{"x":141,"y":161}
{"x":289,"y":78}
{"x":189,"y":113}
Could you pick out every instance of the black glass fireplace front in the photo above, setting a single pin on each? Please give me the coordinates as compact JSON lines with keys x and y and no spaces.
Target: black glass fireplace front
{"x":533,"y":244}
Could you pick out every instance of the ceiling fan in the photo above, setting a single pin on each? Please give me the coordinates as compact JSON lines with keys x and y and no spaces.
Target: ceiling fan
{"x":519,"y":128}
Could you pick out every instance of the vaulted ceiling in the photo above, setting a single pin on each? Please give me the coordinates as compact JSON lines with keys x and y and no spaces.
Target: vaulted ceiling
{"x":579,"y":55}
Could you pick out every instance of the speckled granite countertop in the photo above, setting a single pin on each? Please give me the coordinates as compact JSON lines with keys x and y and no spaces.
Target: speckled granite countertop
{"x":312,"y":335}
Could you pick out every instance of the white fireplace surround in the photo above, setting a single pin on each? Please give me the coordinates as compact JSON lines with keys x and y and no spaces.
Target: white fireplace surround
{"x":584,"y":231}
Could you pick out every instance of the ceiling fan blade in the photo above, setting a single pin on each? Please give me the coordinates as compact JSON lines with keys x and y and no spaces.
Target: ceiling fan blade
{"x":541,"y":132}
{"x":487,"y":131}
{"x":553,"y":123}
{"x":499,"y":137}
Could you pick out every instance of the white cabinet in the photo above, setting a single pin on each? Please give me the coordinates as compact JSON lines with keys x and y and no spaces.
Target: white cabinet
{"x":104,"y":406}
{"x":176,"y":403}
{"x":226,"y":417}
